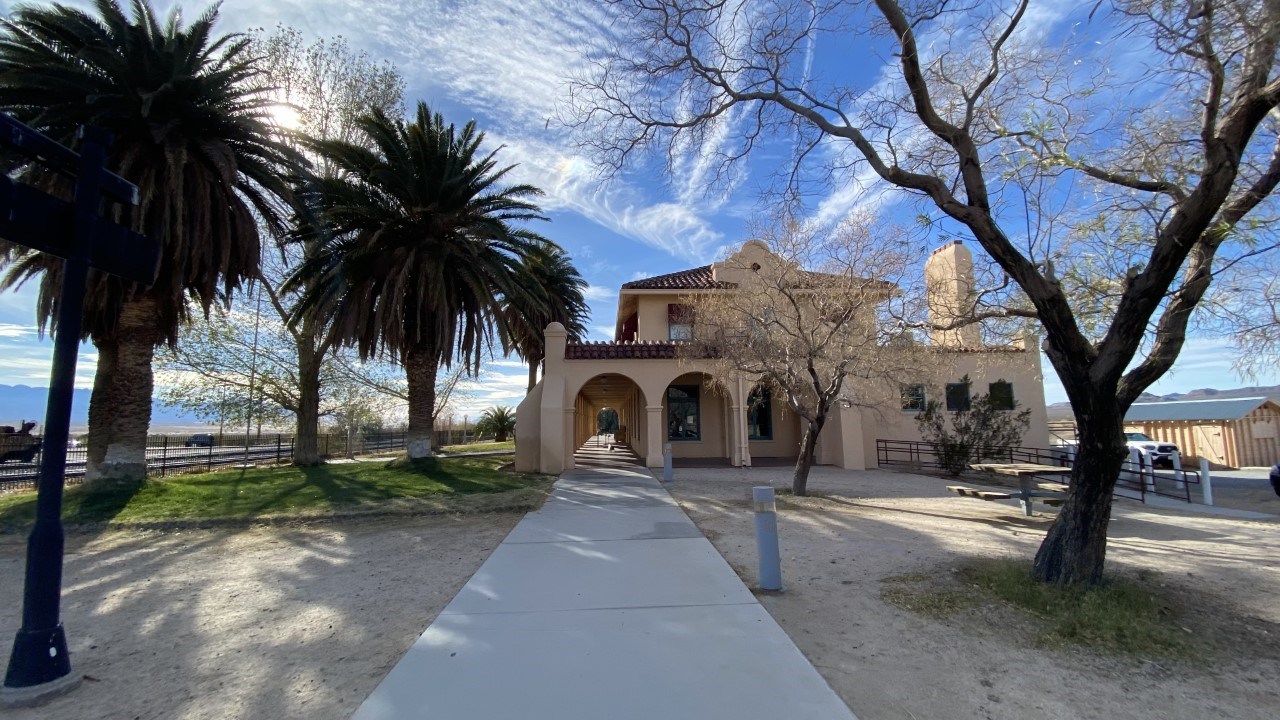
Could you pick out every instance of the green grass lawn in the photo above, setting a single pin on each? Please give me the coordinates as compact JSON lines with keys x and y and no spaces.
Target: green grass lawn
{"x":509,"y":445}
{"x":443,"y":484}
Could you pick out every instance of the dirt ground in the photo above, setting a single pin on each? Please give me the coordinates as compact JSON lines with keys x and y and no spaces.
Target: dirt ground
{"x":891,"y":664}
{"x":279,"y":622}
{"x":1245,"y":489}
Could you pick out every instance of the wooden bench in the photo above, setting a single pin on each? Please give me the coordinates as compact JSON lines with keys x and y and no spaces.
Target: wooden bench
{"x":980,"y":494}
{"x":1051,"y":499}
{"x":1025,"y":472}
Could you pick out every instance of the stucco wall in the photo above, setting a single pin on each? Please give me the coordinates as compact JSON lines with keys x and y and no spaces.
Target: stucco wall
{"x":1022,"y":370}
{"x":651,"y":310}
{"x":786,"y":433}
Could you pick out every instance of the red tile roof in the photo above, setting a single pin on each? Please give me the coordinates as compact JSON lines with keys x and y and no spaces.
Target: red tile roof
{"x":642,"y":350}
{"x":699,"y":278}
{"x":659,"y":350}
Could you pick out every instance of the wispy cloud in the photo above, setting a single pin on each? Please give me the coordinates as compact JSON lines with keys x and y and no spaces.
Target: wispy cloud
{"x":599,"y":294}
{"x":573,"y":184}
{"x":11,"y":330}
{"x":508,"y":62}
{"x":493,"y":387}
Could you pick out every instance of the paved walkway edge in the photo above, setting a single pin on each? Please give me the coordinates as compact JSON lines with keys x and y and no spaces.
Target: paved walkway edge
{"x":607,"y":603}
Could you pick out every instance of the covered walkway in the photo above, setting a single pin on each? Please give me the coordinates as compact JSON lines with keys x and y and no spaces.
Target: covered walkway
{"x":606,"y":603}
{"x":601,"y":451}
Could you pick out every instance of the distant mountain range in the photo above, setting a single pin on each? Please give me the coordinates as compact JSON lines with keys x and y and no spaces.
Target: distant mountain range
{"x":1062,"y":410}
{"x":23,"y":402}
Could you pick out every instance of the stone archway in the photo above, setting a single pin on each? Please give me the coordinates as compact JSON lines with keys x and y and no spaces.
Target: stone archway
{"x":700,"y":418}
{"x":619,"y":393}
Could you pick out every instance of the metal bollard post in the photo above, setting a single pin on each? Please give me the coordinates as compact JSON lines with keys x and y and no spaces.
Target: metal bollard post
{"x":667,"y":473}
{"x":1206,"y":481}
{"x":1176,"y":459}
{"x":767,"y":538}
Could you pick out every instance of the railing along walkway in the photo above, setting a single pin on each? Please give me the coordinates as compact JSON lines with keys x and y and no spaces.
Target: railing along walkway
{"x":1137,"y":478}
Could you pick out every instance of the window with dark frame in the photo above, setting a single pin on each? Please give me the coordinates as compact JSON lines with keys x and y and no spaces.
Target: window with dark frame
{"x":760,"y":414}
{"x":957,"y":397}
{"x":1001,"y":394}
{"x":683,"y":417}
{"x":679,"y":322}
{"x":913,"y":398}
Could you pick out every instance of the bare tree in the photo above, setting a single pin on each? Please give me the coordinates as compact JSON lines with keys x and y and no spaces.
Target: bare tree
{"x":247,"y":357}
{"x":811,"y":321}
{"x":1245,"y":309}
{"x":389,"y":381}
{"x":321,"y":88}
{"x":1121,"y":159}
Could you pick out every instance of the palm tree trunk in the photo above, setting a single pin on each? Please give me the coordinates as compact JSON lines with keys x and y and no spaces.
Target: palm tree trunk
{"x":306,"y":448}
{"x":420,"y":367}
{"x":534,"y":361}
{"x":120,"y":407}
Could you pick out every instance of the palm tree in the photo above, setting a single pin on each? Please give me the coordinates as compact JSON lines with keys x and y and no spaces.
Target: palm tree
{"x":192,"y":135}
{"x":559,"y":299}
{"x":417,"y":248}
{"x":499,"y":420}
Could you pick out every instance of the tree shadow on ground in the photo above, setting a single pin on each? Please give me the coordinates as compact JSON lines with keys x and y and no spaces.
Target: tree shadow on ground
{"x":258,"y":623}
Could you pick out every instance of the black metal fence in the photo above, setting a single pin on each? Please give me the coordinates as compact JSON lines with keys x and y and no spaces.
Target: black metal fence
{"x":1137,"y":479}
{"x":175,"y":454}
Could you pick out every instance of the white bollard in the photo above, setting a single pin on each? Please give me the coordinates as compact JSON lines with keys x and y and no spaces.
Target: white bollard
{"x":668,"y":474}
{"x":1206,"y":481}
{"x":1176,"y":459}
{"x":770,"y":558}
{"x":1135,"y":466}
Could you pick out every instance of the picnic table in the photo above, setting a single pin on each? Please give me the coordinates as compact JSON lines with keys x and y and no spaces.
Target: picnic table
{"x":1025,"y":472}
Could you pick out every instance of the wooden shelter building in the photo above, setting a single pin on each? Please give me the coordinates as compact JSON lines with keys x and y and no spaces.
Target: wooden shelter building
{"x":1230,"y":433}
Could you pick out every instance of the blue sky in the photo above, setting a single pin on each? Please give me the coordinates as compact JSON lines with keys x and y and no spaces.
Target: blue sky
{"x":504,"y":63}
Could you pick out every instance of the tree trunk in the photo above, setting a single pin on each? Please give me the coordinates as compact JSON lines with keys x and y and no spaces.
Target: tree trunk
{"x":800,"y":481}
{"x":120,"y":407}
{"x":420,"y":368}
{"x":306,"y":449}
{"x":534,"y":362}
{"x":1075,"y":548}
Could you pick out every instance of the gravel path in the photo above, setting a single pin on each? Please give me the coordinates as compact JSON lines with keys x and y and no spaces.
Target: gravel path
{"x":891,"y":664}
{"x":280,"y":622}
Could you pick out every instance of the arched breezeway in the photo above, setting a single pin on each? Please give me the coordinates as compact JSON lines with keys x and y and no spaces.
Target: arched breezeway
{"x":705,"y":419}
{"x":659,"y":399}
{"x":617,"y":393}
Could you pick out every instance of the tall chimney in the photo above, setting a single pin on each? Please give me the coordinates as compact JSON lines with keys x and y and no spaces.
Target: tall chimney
{"x":948,"y":277}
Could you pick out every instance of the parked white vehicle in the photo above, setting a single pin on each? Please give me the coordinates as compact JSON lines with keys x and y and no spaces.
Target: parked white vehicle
{"x":1154,"y":452}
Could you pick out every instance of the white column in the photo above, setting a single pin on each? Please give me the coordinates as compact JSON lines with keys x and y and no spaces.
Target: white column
{"x":655,"y":436}
{"x":570,"y":436}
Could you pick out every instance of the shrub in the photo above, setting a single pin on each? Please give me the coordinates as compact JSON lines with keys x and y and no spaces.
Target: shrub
{"x":983,"y":430}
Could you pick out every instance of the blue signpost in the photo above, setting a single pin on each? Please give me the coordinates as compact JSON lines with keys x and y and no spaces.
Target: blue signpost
{"x":39,"y":664}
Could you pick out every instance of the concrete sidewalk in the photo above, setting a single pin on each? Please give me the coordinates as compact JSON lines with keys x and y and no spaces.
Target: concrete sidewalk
{"x":606,"y":604}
